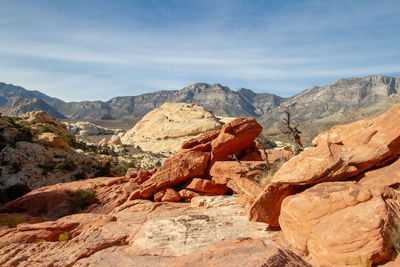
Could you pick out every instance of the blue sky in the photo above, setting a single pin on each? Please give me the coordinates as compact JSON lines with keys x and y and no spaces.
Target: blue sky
{"x":89,"y":50}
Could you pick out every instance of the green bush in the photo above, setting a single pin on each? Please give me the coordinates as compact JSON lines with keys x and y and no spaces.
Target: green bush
{"x":81,"y":199}
{"x":12,"y":221}
{"x":79,"y":176}
{"x":68,"y":166}
{"x":16,"y":167}
{"x":24,"y":134}
{"x":64,"y":237}
{"x":126,"y":165}
{"x":13,"y":192}
{"x":45,"y":129}
{"x":71,"y":141}
{"x":103,"y":171}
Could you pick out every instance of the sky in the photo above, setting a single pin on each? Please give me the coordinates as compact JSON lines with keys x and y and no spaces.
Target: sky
{"x":98,"y":49}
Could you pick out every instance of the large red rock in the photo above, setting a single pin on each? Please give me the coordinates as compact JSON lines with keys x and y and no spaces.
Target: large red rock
{"x":234,"y":138}
{"x":253,"y":153}
{"x":267,"y":206}
{"x":201,"y":143}
{"x":232,"y":169}
{"x":171,"y":196}
{"x":139,"y":176}
{"x":187,"y":194}
{"x":341,"y":153}
{"x":240,"y":252}
{"x":206,"y":186}
{"x":51,"y":201}
{"x":176,"y":170}
{"x":246,"y":188}
{"x":279,"y":154}
{"x":386,"y":176}
{"x":345,"y":151}
{"x":338,"y":224}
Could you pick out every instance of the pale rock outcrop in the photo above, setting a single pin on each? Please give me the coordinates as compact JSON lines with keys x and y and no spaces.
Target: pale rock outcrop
{"x":119,"y":231}
{"x":52,"y":140}
{"x":164,"y":129}
{"x":240,"y":252}
{"x":35,"y":152}
{"x":88,"y":128}
{"x":115,"y":140}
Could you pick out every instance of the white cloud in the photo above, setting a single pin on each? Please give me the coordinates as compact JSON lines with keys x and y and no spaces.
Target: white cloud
{"x":62,"y":53}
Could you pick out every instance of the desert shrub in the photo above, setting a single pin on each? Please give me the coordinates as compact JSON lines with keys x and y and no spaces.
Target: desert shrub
{"x":13,"y":192}
{"x":16,"y":167}
{"x":79,"y":176}
{"x":3,"y":142}
{"x":48,"y":167}
{"x":64,"y":237}
{"x":24,"y":134}
{"x":13,"y":220}
{"x":361,"y":262}
{"x":71,"y":141}
{"x":103,"y":170}
{"x":126,"y":165}
{"x":80,"y":199}
{"x":68,"y":166}
{"x":394,"y":231}
{"x":45,"y":129}
{"x":267,"y":175}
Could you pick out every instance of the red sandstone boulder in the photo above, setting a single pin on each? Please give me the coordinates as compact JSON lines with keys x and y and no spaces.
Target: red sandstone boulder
{"x":385,"y":176}
{"x":159,"y":195}
{"x":139,"y":176}
{"x":279,"y":154}
{"x":240,"y":252}
{"x":252,"y":154}
{"x":176,"y":170}
{"x":338,"y":223}
{"x":187,"y":194}
{"x":201,"y":143}
{"x":171,"y":196}
{"x":267,"y":206}
{"x":51,"y":202}
{"x":206,"y":186}
{"x":234,"y":138}
{"x":232,"y":169}
{"x":345,"y":151}
{"x":246,"y":188}
{"x":338,"y":154}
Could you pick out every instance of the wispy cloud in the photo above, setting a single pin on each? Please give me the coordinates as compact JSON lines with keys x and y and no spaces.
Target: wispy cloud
{"x":80,"y":50}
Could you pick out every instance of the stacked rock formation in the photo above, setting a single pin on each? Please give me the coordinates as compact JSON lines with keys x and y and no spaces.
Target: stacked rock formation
{"x":334,"y":201}
{"x":203,"y":166}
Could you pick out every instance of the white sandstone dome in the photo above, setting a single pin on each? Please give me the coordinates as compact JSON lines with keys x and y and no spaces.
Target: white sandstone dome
{"x":164,"y":129}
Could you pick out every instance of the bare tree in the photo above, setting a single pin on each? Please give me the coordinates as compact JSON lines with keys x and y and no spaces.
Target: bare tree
{"x":292,"y":131}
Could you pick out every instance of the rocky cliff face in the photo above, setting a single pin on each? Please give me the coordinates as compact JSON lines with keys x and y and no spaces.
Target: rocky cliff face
{"x":328,"y":103}
{"x":9,"y":91}
{"x":20,"y":106}
{"x":332,"y":101}
{"x":35,"y":151}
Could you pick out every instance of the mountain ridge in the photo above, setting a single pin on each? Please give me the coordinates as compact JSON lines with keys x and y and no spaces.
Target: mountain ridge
{"x":314,"y":103}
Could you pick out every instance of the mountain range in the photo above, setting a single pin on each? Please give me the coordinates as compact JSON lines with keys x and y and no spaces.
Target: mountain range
{"x":327,"y":103}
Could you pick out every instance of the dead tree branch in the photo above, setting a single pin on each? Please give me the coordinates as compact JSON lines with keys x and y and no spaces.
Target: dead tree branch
{"x":292,"y":131}
{"x":243,"y":173}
